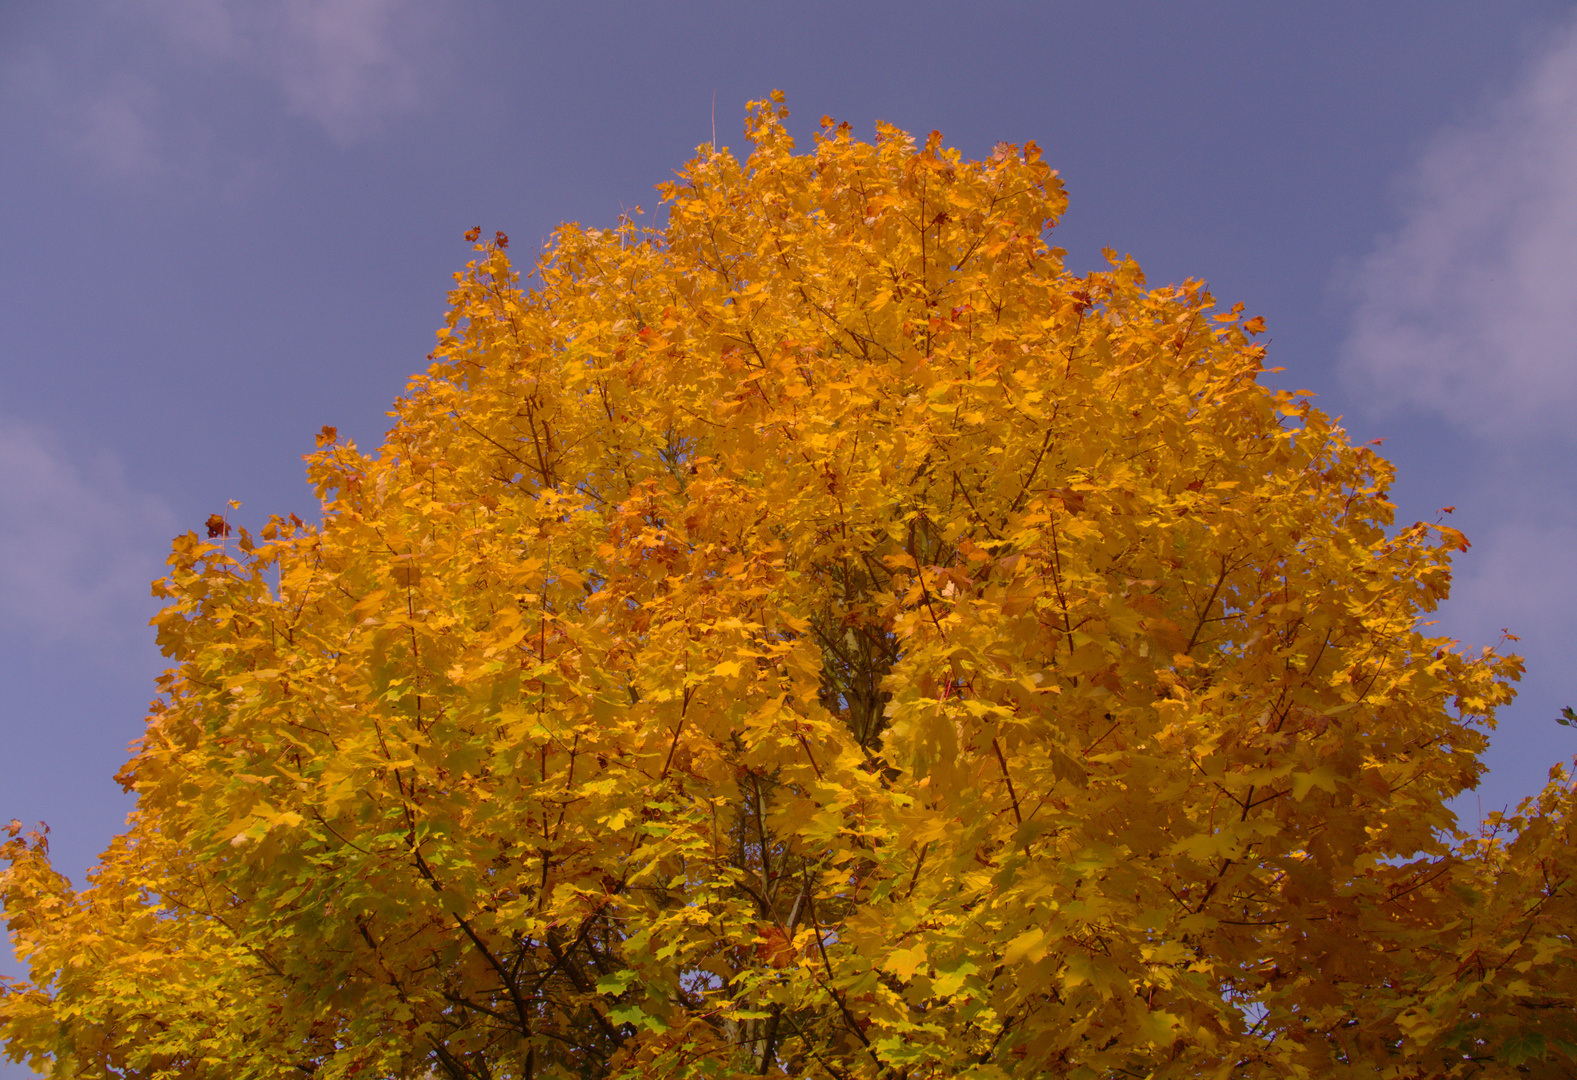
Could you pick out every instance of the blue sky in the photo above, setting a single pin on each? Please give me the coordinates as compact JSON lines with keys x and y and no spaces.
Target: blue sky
{"x":227,"y":223}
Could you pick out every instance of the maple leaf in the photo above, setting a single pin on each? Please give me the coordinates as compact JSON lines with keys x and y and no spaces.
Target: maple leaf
{"x":822,"y":636}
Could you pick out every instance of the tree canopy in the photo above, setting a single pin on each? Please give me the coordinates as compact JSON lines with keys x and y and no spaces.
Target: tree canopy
{"x":824,"y":637}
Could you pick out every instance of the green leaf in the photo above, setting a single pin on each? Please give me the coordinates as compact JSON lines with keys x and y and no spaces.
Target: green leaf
{"x":1519,"y":1048}
{"x":615,"y":983}
{"x":636,"y":1016}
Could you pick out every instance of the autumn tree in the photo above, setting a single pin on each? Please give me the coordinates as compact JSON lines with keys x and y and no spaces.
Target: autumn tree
{"x":820,"y":637}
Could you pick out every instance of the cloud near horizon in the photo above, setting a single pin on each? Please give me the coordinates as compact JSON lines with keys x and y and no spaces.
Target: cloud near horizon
{"x":1469,"y":311}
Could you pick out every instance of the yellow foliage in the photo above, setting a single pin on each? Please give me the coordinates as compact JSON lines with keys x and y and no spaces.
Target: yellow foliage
{"x":821,"y":636}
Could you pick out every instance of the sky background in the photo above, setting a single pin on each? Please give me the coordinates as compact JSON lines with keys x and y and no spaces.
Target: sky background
{"x":227,"y":223}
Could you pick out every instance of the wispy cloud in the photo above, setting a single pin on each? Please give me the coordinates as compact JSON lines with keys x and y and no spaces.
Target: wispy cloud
{"x":78,"y":545}
{"x":166,"y":89}
{"x":342,"y":63}
{"x":349,"y":65}
{"x":1524,"y":580}
{"x":1466,"y":319}
{"x":112,"y":123}
{"x":1470,"y":310}
{"x":116,"y":127}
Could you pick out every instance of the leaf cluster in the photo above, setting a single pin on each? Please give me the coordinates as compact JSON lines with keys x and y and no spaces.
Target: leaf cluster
{"x":820,"y":637}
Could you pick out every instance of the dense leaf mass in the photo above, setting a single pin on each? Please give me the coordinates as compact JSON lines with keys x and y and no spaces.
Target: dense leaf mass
{"x":821,"y":637}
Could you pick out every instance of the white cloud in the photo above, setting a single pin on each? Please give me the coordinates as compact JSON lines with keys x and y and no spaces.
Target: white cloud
{"x":1520,"y":577}
{"x":342,"y":64}
{"x":349,"y":65}
{"x":1466,"y":318}
{"x":78,"y":546}
{"x":117,"y":129}
{"x":208,"y":25}
{"x":1470,"y":310}
{"x":163,"y":91}
{"x":114,"y":126}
